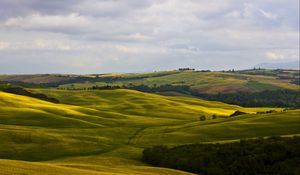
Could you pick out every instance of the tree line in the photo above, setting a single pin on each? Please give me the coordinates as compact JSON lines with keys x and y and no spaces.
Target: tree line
{"x":276,"y":155}
{"x":267,"y":98}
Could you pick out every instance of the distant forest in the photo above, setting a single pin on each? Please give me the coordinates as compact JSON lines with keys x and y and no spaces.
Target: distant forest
{"x":273,"y":156}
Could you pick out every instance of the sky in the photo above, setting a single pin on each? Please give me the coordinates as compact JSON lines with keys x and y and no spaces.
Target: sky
{"x":101,"y":36}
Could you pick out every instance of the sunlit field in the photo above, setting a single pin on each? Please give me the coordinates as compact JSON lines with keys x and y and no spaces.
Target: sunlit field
{"x":105,"y":131}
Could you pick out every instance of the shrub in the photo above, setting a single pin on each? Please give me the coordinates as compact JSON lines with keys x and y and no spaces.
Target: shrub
{"x":202,"y":118}
{"x":214,"y":116}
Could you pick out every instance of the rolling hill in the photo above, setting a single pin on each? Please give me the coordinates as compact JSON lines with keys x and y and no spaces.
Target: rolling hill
{"x":105,"y":131}
{"x":203,"y":82}
{"x":255,"y":80}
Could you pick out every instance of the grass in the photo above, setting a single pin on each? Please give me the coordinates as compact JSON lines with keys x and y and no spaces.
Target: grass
{"x":105,"y":131}
{"x":259,"y":86}
{"x":35,"y":78}
{"x":204,"y":82}
{"x":246,"y":126}
{"x":13,"y":167}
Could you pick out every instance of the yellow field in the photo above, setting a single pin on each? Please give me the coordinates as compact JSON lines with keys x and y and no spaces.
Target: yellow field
{"x":104,"y":132}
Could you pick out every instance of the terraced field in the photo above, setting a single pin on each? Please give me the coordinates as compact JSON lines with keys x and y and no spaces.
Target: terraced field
{"x":105,"y":131}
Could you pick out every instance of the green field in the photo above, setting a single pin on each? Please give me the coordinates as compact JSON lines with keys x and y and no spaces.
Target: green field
{"x":254,"y":80}
{"x":204,"y":82}
{"x":105,"y":131}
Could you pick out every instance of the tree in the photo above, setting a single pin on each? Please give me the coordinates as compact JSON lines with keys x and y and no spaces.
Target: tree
{"x":214,"y":116}
{"x":202,"y":118}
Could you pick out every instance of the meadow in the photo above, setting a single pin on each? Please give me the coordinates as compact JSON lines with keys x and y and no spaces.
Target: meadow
{"x":105,"y":131}
{"x":204,"y":82}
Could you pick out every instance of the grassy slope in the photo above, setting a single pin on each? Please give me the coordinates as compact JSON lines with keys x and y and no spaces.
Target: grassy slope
{"x":12,"y":167}
{"x":245,"y":126}
{"x":104,"y":131}
{"x":35,"y":78}
{"x":204,"y":82}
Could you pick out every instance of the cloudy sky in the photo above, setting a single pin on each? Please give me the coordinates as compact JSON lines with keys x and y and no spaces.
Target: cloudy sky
{"x":98,"y":36}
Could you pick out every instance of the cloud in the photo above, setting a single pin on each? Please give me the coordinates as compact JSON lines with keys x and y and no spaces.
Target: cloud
{"x":4,"y":45}
{"x":285,"y":54}
{"x":52,"y":23}
{"x":130,"y":35}
{"x":275,"y":56}
{"x":38,"y":44}
{"x":268,"y":15}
